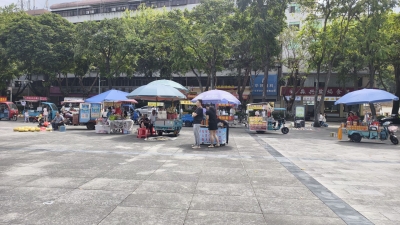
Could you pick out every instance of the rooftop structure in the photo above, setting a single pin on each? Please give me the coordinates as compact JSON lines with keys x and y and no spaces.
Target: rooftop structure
{"x":84,"y":10}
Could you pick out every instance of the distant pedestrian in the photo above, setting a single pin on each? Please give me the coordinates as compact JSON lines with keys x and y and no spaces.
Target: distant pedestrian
{"x":45,"y":114}
{"x":197,"y":118}
{"x":212,"y":126}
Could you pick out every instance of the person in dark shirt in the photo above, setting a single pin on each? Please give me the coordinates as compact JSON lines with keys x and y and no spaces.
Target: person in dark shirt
{"x":212,"y":125}
{"x":197,"y":118}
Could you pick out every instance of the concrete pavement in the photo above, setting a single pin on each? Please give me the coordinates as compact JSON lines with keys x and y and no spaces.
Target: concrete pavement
{"x":305,"y":177}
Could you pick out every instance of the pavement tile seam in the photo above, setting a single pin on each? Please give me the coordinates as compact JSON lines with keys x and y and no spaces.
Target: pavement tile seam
{"x":337,"y":205}
{"x":257,"y":198}
{"x":130,"y":153}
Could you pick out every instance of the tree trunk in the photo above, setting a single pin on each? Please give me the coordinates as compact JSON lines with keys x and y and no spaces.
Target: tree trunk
{"x":371,"y":85}
{"x":265,"y":80}
{"x":316,"y":103}
{"x":321,"y":102}
{"x":395,"y":109}
{"x":198,"y":78}
{"x":208,"y":82}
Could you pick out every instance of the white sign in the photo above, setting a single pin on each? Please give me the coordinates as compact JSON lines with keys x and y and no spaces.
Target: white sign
{"x":23,"y":103}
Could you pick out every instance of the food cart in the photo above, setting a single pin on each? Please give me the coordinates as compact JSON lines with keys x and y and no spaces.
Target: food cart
{"x":216,"y":97}
{"x":357,"y":130}
{"x":258,"y":118}
{"x":227,"y":112}
{"x":167,"y":121}
{"x":8,"y":110}
{"x":34,"y":105}
{"x":90,"y":113}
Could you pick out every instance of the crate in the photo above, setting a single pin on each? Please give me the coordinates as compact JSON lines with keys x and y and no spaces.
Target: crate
{"x":61,"y":128}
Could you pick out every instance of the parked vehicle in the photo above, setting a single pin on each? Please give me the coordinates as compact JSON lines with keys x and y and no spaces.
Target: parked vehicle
{"x":8,"y":110}
{"x":187,"y":120}
{"x":374,"y":133}
{"x":145,"y":110}
{"x":393,"y":119}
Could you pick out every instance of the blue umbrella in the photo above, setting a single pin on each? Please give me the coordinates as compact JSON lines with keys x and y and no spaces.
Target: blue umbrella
{"x":366,"y":96}
{"x":170,"y":83}
{"x":156,"y":92}
{"x":108,"y":96}
{"x":217,"y":96}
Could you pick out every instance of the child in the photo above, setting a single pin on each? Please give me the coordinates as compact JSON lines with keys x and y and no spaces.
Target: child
{"x":26,"y":115}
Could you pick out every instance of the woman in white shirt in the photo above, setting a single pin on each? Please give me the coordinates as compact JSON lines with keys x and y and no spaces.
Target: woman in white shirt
{"x":45,"y":114}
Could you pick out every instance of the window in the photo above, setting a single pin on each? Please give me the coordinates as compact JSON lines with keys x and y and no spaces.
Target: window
{"x":292,"y":9}
{"x":178,"y":2}
{"x":321,"y":84}
{"x":294,"y":24}
{"x":133,"y":7}
{"x":113,"y":9}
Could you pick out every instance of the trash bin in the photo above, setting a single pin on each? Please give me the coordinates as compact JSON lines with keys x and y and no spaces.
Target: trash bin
{"x":299,"y":123}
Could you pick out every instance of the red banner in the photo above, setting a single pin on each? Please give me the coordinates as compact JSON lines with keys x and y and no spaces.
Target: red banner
{"x":35,"y":98}
{"x":331,"y":91}
{"x":3,"y":99}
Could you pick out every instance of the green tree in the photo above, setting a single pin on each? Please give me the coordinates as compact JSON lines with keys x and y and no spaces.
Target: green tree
{"x":8,"y":67}
{"x":392,"y":28}
{"x":325,"y":31}
{"x":107,"y":46}
{"x":268,"y":22}
{"x":295,"y":58}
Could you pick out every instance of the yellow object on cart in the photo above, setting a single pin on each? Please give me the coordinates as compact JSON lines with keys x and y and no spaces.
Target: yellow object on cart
{"x":340,"y":133}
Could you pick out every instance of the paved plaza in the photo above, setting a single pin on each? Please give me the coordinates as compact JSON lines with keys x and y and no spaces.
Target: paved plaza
{"x":304,"y":177}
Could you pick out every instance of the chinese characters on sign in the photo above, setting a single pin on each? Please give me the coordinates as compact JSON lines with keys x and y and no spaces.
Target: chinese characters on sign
{"x":84,"y":113}
{"x":257,"y":84}
{"x":257,"y":123}
{"x":334,"y":91}
{"x":205,"y":135}
{"x":3,"y":99}
{"x":95,"y":111}
{"x":33,"y":98}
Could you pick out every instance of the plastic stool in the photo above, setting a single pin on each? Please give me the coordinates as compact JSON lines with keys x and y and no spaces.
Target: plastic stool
{"x":142,"y":133}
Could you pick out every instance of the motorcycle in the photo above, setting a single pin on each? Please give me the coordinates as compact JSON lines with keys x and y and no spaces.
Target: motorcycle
{"x":67,"y":118}
{"x":388,"y":132}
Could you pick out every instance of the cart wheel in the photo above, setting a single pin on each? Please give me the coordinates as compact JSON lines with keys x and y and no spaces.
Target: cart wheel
{"x":159,"y":133}
{"x":356,"y":137}
{"x":285,"y":130}
{"x":394,"y":140}
{"x":90,"y":126}
{"x":260,"y":132}
{"x":176,"y":132}
{"x":15,"y":118}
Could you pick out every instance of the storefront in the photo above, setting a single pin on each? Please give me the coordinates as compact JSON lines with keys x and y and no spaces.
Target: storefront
{"x":305,"y":96}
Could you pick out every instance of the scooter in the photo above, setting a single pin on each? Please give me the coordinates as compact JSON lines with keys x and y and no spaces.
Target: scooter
{"x":373,"y":133}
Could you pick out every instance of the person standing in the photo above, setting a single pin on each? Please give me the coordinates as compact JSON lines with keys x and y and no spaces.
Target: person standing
{"x":212,"y":126}
{"x":197,"y":118}
{"x":45,"y":114}
{"x":153,"y":118}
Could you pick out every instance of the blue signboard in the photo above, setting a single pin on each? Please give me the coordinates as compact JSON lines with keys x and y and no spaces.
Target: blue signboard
{"x":84,"y":112}
{"x":95,"y":110}
{"x":257,"y":85}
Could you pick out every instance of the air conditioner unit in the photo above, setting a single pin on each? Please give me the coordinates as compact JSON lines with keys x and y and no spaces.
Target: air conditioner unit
{"x":92,"y":11}
{"x":113,"y":9}
{"x":123,"y":8}
{"x":87,"y":12}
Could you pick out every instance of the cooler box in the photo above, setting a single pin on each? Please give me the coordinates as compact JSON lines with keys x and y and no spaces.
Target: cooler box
{"x":61,"y":128}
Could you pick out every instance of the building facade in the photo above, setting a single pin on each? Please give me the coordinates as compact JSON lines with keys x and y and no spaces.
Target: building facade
{"x":97,"y":10}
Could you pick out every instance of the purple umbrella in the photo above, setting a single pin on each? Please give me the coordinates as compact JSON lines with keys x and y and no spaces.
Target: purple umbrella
{"x":217,"y":96}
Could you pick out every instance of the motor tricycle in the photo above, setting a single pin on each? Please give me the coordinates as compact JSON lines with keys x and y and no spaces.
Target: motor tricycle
{"x":8,"y":110}
{"x":357,"y":133}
